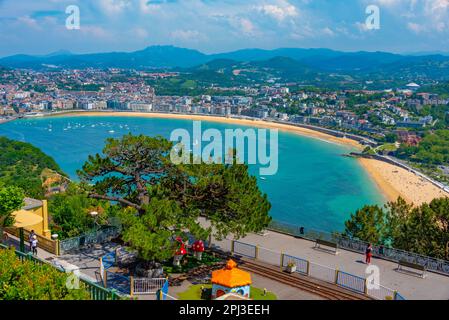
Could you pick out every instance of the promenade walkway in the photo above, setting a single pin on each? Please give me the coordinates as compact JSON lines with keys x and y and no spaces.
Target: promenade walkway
{"x":87,"y":261}
{"x":432,"y":287}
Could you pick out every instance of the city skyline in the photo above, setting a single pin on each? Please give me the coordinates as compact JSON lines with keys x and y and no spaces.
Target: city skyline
{"x":405,"y":26}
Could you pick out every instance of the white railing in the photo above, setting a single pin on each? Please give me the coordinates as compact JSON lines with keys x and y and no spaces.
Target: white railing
{"x":311,"y":269}
{"x":380,"y":292}
{"x":321,"y":272}
{"x":351,"y":282}
{"x":302,"y":266}
{"x":147,"y":285}
{"x":245,"y":249}
{"x":269,"y":256}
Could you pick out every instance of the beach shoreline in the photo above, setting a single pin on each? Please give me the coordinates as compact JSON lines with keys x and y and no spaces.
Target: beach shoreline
{"x":391,"y":180}
{"x":395,"y":182}
{"x":236,"y":121}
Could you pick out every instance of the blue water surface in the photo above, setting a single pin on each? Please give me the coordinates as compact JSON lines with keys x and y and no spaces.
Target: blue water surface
{"x":315,"y":186}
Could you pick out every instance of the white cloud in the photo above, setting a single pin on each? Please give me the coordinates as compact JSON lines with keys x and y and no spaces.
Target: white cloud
{"x":112,"y":7}
{"x":187,"y":35}
{"x":419,"y":15}
{"x":246,"y":26}
{"x":29,"y":22}
{"x":95,"y":31}
{"x":415,"y":27}
{"x":147,"y":7}
{"x":281,"y":10}
{"x":140,"y":33}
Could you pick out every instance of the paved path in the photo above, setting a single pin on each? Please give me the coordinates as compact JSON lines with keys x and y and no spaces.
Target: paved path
{"x":86,"y":260}
{"x":433,"y":287}
{"x":14,"y":241}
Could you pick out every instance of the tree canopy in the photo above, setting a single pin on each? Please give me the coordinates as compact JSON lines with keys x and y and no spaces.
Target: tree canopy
{"x":11,"y":199}
{"x":70,"y":212}
{"x":162,"y":200}
{"x":433,"y":149}
{"x":420,"y":229}
{"x":21,"y":165}
{"x":367,"y":224}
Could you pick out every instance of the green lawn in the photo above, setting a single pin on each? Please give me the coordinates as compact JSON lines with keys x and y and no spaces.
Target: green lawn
{"x":194,"y":293}
{"x":389,"y":147}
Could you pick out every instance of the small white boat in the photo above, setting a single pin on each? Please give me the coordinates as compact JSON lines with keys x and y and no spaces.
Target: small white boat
{"x":263,"y":178}
{"x":111,"y":131}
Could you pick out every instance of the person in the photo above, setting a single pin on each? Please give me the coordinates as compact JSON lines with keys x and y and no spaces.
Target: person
{"x":369,"y":253}
{"x":31,"y":236}
{"x":34,"y":245}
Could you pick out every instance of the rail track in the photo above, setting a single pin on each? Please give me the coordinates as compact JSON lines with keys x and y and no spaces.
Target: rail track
{"x":323,"y":290}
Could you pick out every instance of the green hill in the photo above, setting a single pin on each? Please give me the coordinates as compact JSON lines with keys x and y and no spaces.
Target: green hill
{"x":21,"y":164}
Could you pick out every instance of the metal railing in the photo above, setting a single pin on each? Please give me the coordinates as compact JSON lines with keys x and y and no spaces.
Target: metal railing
{"x":147,"y":285}
{"x":351,"y":282}
{"x":98,"y":292}
{"x":245,"y":249}
{"x":321,"y":272}
{"x":359,"y":246}
{"x":268,"y":256}
{"x":380,"y":292}
{"x":88,"y":238}
{"x":302,"y":266}
{"x":305,"y":267}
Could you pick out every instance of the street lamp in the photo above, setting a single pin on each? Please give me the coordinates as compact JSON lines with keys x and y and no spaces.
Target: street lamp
{"x":94,"y":215}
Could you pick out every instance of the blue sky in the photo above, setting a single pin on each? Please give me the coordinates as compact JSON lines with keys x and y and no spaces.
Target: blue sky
{"x":38,"y":27}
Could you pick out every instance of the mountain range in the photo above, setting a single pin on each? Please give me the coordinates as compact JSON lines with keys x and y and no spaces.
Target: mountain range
{"x":294,"y":62}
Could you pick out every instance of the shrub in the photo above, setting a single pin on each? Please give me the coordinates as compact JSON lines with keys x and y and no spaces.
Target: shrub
{"x":27,"y":280}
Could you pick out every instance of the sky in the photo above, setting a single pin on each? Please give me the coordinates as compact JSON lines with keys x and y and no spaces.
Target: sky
{"x":212,"y":26}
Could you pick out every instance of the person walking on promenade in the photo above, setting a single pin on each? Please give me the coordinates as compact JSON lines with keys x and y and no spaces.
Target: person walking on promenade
{"x":368,"y":253}
{"x":30,"y":238}
{"x":34,"y":245}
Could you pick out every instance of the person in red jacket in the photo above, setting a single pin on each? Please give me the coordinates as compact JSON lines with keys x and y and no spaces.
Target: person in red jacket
{"x":368,"y":253}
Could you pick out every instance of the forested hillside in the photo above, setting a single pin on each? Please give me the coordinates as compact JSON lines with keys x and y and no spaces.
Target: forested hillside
{"x":21,"y":164}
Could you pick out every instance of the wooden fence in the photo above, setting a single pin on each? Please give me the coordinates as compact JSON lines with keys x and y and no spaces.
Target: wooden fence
{"x":46,"y":244}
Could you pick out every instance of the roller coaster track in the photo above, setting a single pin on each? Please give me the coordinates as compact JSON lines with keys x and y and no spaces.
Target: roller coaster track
{"x":319,"y":288}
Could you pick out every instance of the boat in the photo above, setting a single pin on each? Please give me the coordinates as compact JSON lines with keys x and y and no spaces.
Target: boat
{"x":263,"y":178}
{"x":111,"y":131}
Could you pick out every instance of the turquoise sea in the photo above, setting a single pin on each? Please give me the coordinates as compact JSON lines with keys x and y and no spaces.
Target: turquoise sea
{"x":315,"y":186}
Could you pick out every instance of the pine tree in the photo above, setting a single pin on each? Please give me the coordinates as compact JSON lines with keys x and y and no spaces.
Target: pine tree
{"x":162,"y":200}
{"x":367,"y":224}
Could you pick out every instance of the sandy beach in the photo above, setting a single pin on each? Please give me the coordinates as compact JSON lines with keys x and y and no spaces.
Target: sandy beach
{"x":391,"y":180}
{"x":247,"y":122}
{"x":395,"y":182}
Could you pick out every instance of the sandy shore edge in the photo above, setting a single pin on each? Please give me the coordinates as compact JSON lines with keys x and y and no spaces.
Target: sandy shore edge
{"x":394,"y":181}
{"x":253,"y":123}
{"x":391,"y":180}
